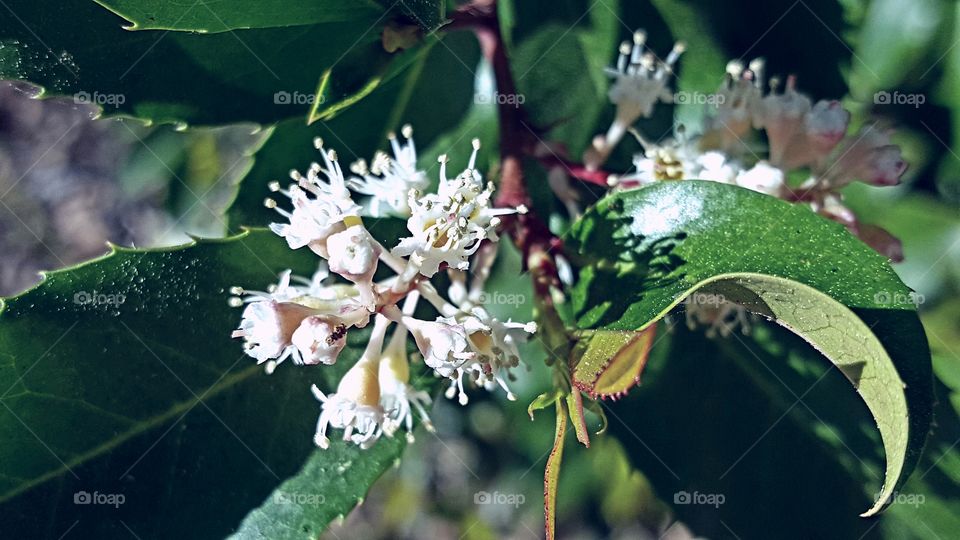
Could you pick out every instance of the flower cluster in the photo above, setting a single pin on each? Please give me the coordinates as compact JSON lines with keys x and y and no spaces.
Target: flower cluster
{"x":452,"y":229}
{"x":807,"y":141}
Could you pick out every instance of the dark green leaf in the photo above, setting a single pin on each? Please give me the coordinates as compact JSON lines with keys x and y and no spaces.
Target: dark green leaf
{"x":119,"y":377}
{"x":723,"y":417}
{"x":220,"y":17}
{"x":77,"y":48}
{"x":558,"y":66}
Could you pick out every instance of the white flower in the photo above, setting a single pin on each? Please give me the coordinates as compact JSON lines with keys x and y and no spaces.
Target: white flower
{"x":313,"y":292}
{"x":319,"y":338}
{"x":469,"y":343}
{"x":267,"y":327}
{"x":448,"y":226}
{"x":397,"y":397}
{"x":737,"y":100}
{"x":640,"y":79}
{"x":329,"y":211}
{"x":353,"y":253}
{"x":389,"y":180}
{"x":644,"y":173}
{"x":355,"y":407}
{"x":716,"y":167}
{"x":316,"y":292}
{"x":352,"y":408}
{"x":291,"y":320}
{"x":763,"y":178}
{"x":446,"y":349}
{"x":677,"y":160}
{"x":495,"y":344}
{"x":443,"y":344}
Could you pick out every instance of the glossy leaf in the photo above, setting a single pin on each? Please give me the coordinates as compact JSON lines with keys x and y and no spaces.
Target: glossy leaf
{"x":220,"y":17}
{"x":79,"y":49}
{"x":670,"y":239}
{"x":135,"y":347}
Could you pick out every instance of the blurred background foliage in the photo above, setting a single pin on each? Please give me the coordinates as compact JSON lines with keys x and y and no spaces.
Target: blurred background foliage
{"x":760,"y":418}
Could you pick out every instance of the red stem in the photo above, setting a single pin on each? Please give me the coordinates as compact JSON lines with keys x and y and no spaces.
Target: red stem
{"x":576,"y":170}
{"x":529,"y":232}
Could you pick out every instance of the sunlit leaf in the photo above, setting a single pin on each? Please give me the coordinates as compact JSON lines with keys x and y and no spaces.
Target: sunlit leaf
{"x":645,"y":250}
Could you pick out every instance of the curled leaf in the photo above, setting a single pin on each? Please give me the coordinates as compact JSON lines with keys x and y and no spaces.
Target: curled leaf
{"x":543,"y":401}
{"x":575,"y":405}
{"x":612,"y":362}
{"x":642,"y":252}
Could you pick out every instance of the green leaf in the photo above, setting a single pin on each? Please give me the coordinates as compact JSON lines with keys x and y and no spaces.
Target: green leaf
{"x":220,"y":17}
{"x":646,"y":250}
{"x":928,"y":228}
{"x":330,"y":484}
{"x":558,"y":66}
{"x":612,"y":361}
{"x":135,"y":347}
{"x":551,"y":473}
{"x":723,"y":417}
{"x":575,"y":409}
{"x":77,"y":48}
{"x":544,"y":400}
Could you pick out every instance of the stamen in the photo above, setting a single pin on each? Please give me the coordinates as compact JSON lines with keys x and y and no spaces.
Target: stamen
{"x":473,"y":157}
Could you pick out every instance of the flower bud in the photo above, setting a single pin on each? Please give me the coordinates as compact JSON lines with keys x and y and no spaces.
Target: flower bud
{"x":353,"y":253}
